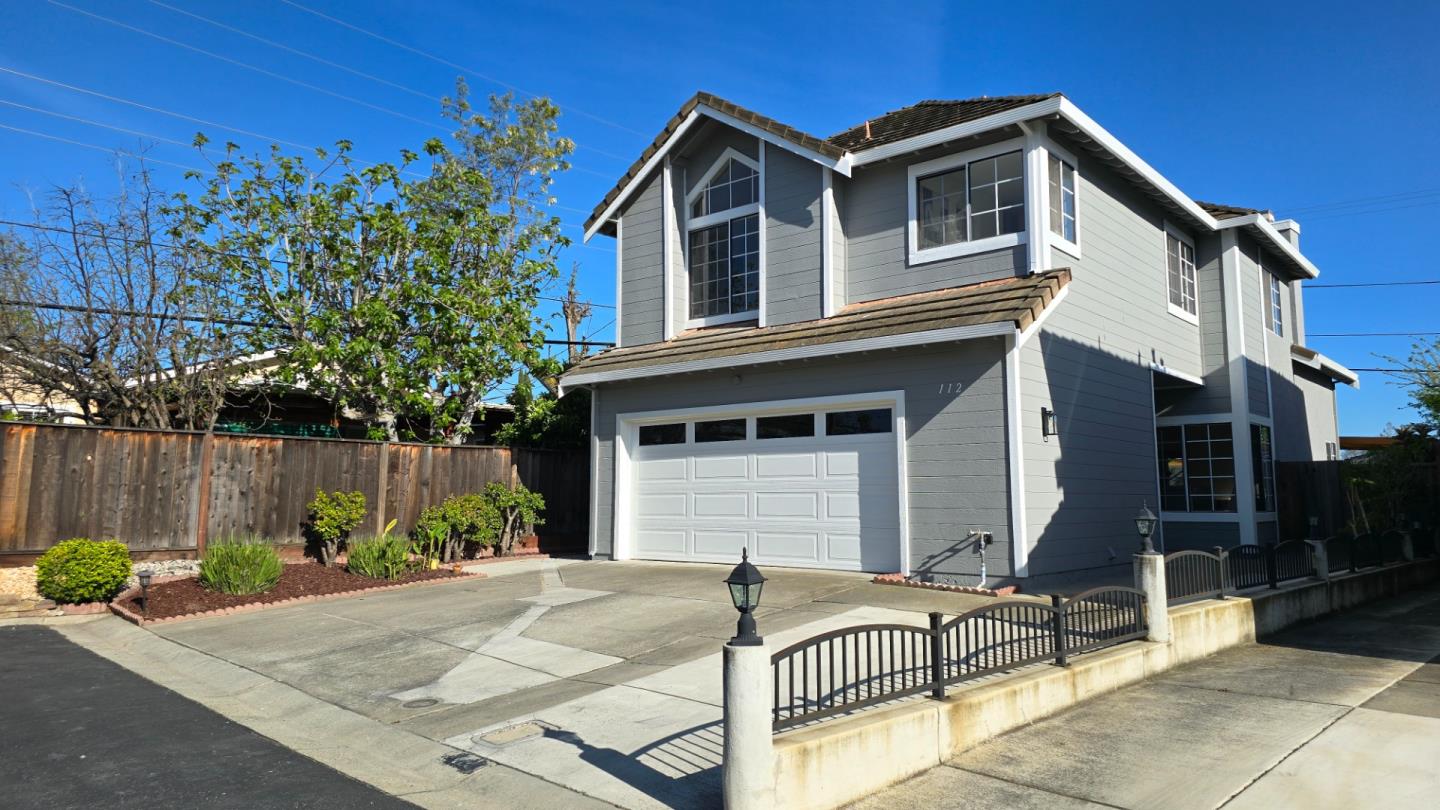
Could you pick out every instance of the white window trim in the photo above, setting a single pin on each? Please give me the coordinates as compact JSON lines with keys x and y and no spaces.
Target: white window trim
{"x":1072,"y":248}
{"x":914,"y":255}
{"x":627,"y":443}
{"x":1274,"y":294}
{"x":1179,"y":312}
{"x":689,"y":223}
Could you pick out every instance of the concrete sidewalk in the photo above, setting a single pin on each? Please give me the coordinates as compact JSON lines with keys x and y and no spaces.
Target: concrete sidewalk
{"x":1340,"y":713}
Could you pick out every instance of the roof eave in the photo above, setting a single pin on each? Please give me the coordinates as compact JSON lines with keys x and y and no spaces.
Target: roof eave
{"x":1260,"y":225}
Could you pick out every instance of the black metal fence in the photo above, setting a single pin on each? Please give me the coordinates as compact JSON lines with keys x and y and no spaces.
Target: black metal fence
{"x":1194,"y":575}
{"x":855,"y":667}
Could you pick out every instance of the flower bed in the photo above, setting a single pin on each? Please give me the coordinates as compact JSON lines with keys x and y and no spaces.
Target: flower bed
{"x":176,"y":598}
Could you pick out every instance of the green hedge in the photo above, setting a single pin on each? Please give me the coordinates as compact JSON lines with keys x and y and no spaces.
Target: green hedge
{"x":83,"y":570}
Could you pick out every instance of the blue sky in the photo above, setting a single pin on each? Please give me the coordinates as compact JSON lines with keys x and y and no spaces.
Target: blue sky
{"x":1311,"y":110}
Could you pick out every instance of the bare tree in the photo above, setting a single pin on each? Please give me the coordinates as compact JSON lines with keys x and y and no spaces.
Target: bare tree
{"x":101,"y":310}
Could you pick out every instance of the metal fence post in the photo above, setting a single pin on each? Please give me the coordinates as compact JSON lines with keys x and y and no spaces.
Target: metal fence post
{"x":1271,"y":566}
{"x":1220,"y":570}
{"x":937,"y":657}
{"x":1059,"y":623}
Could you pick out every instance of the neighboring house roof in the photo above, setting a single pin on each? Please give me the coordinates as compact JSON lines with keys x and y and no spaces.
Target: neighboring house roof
{"x":927,"y":116}
{"x":957,"y":313}
{"x":1220,"y":211}
{"x":1306,"y":356}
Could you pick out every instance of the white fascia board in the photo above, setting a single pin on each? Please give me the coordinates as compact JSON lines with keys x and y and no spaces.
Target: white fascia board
{"x":1179,"y":375}
{"x":1280,"y":243}
{"x":840,"y":164}
{"x":1034,"y":326}
{"x":1049,"y":106}
{"x":1325,"y":365}
{"x":1111,"y":144}
{"x":655,"y":160}
{"x":955,"y":333}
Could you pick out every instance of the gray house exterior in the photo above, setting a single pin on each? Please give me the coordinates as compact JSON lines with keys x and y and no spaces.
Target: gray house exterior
{"x":961,"y":339}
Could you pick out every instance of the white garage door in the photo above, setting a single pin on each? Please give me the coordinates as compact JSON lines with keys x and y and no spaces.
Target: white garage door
{"x":816,"y":489}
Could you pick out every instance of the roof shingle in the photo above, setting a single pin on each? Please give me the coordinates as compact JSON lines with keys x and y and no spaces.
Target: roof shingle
{"x":927,"y":116}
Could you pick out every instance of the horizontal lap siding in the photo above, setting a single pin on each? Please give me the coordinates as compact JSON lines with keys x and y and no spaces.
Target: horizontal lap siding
{"x":1253,"y":320}
{"x":875,"y":213}
{"x":792,"y":238}
{"x":954,"y":415}
{"x":641,"y":288}
{"x":1090,"y":364}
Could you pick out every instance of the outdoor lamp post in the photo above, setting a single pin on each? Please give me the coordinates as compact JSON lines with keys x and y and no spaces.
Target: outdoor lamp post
{"x":145,"y":591}
{"x":745,"y":583}
{"x":1145,"y":525}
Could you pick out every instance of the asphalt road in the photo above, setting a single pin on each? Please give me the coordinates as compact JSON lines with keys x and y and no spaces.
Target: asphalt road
{"x":77,"y":731}
{"x":1339,"y":713}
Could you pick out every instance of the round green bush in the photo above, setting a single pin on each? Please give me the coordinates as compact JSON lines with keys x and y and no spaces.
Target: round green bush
{"x":83,"y":570}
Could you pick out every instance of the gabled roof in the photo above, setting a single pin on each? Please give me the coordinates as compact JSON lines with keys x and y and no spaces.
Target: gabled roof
{"x":957,"y":313}
{"x":927,"y":116}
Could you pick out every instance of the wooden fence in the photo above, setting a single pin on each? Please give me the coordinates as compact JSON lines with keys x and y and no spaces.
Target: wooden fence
{"x":1306,"y":489}
{"x":168,"y":491}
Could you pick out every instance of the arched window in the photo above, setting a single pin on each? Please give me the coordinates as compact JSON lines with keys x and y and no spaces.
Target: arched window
{"x":723,"y":241}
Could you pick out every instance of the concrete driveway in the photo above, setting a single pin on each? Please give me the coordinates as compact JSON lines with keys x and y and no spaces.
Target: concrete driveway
{"x":601,"y":678}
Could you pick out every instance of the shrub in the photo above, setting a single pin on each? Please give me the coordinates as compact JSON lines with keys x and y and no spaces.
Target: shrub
{"x":383,"y":557}
{"x":432,"y":534}
{"x":240,"y":566}
{"x":508,"y":513}
{"x":83,"y":570}
{"x":333,"y":515}
{"x":467,"y":515}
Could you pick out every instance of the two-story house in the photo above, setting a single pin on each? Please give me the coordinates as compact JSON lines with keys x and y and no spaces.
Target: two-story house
{"x":960,"y":333}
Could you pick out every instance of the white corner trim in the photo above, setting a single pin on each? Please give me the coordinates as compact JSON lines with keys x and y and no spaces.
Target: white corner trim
{"x":827,"y":238}
{"x":954,"y":333}
{"x":841,"y":164}
{"x":644,"y":172}
{"x":1235,"y":357}
{"x":903,"y":477}
{"x":1034,"y":326}
{"x":763,"y":225}
{"x":1033,"y":162}
{"x":667,"y":248}
{"x":619,"y":279}
{"x":1015,"y":451}
{"x":594,"y":544}
{"x":1049,"y":106}
{"x":1278,"y":242}
{"x":1179,"y":375}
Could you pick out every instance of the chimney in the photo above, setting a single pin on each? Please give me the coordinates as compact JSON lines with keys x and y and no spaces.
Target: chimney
{"x":1290,"y":229}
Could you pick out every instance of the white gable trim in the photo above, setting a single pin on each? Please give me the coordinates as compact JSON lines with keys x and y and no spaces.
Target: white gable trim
{"x":840,"y":164}
{"x":730,"y":153}
{"x":1049,"y":106}
{"x":1278,"y":242}
{"x":655,"y":160}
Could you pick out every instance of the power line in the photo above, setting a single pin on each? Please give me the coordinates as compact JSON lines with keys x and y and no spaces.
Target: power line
{"x":1371,"y":284}
{"x":456,"y":66}
{"x":105,"y":149}
{"x":272,"y":74}
{"x":1374,"y":200}
{"x":1372,"y":334}
{"x":338,"y":66}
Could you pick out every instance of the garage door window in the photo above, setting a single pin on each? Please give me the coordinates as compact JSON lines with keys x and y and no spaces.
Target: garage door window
{"x":662,"y":434}
{"x":720,"y":430}
{"x":851,"y":423}
{"x":790,"y":426}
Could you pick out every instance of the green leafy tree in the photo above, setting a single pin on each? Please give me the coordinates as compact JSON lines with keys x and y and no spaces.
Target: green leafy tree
{"x":510,"y":512}
{"x":405,"y":299}
{"x":1421,"y":375}
{"x":547,"y":420}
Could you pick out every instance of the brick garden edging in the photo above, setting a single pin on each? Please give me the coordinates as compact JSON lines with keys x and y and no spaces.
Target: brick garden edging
{"x":137,"y":619}
{"x":899,"y":579}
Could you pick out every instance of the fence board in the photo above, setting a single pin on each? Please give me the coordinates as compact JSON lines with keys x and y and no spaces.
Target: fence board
{"x":144,"y":486}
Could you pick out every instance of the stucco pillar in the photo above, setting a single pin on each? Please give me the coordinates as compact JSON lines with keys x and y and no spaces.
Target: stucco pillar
{"x":1320,"y":555}
{"x":1150,"y":578}
{"x":749,"y":769}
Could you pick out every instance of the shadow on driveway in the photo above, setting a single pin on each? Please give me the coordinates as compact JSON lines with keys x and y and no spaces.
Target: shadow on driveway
{"x":77,"y":731}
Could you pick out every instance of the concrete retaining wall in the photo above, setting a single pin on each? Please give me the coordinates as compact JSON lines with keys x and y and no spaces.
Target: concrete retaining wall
{"x":839,"y":761}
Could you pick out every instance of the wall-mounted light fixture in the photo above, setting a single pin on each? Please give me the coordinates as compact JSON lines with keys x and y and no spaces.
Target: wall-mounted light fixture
{"x":1048,"y":425}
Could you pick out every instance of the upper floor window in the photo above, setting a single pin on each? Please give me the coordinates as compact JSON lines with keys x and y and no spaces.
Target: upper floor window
{"x":1180,"y":275}
{"x":723,"y":242}
{"x":959,"y":202}
{"x":1277,"y":309}
{"x":1062,"y":199}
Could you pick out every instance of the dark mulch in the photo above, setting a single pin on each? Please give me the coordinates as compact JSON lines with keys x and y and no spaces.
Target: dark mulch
{"x":185,"y":596}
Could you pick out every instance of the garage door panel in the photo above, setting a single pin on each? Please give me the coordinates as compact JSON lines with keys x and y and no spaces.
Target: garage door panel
{"x":721,"y":467}
{"x":670,"y":542}
{"x":842,"y":464}
{"x":787,"y":505}
{"x":720,"y":544}
{"x":787,"y":465}
{"x":842,"y":505}
{"x":668,"y":469}
{"x":722,"y":505}
{"x":798,"y":546}
{"x":660,"y":505}
{"x":842,"y":547}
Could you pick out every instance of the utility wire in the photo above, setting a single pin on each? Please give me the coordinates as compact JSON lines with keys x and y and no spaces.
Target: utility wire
{"x":455,"y":66}
{"x":1309,"y":287}
{"x":105,"y":149}
{"x":1381,"y":199}
{"x":338,"y":66}
{"x":1372,"y":334}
